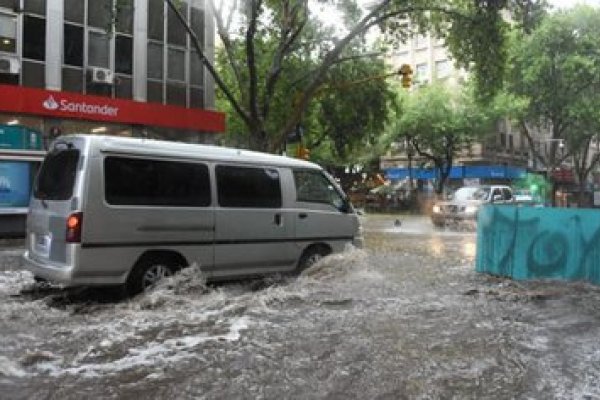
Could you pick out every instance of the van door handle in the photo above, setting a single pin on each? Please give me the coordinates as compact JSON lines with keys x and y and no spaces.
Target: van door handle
{"x":277,"y":219}
{"x":302,"y":215}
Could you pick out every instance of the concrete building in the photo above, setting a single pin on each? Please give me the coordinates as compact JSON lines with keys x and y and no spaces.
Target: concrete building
{"x":99,"y":67}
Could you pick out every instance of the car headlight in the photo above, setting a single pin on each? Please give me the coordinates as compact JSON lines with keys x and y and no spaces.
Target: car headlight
{"x":436,"y":209}
{"x":471,"y":209}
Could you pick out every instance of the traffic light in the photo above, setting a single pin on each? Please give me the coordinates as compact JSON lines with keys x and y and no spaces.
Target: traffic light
{"x":406,"y":72}
{"x":303,"y":153}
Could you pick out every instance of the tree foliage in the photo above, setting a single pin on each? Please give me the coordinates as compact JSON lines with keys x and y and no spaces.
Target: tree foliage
{"x":555,"y":75}
{"x":438,"y":123}
{"x":261,"y":41}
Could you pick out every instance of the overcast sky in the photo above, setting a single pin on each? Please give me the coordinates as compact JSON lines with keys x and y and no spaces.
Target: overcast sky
{"x":571,"y":3}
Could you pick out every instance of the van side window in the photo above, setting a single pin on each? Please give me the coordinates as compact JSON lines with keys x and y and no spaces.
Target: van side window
{"x":248,"y":187}
{"x":135,"y":181}
{"x":312,"y":186}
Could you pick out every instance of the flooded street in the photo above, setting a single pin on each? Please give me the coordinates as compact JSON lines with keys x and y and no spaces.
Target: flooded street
{"x":406,"y":317}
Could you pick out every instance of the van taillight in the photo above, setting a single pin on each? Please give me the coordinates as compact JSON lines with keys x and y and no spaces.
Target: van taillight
{"x":74,"y":223}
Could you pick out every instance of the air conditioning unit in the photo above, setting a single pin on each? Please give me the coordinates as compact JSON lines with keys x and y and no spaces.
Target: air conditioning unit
{"x":9,"y":65}
{"x":102,"y":75}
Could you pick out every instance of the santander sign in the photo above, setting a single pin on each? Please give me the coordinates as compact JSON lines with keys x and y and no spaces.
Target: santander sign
{"x":79,"y":107}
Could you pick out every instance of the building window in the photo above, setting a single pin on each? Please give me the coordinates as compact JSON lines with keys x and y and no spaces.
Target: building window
{"x":176,"y":65}
{"x":99,"y":13}
{"x":74,"y":11}
{"x":421,"y":72}
{"x":123,"y":87}
{"x":124,"y":54}
{"x":176,"y":33}
{"x":32,"y":74}
{"x":97,"y":89}
{"x":176,"y":94}
{"x":155,"y":92}
{"x":8,"y":33}
{"x":156,"y":23}
{"x":124,"y":16}
{"x":196,"y":97}
{"x":198,"y":24}
{"x":155,"y":60}
{"x":442,"y":69}
{"x":72,"y":79}
{"x":421,"y":41}
{"x":73,"y":45}
{"x":10,"y":4}
{"x":175,"y":72}
{"x":196,"y":70}
{"x":34,"y":38}
{"x":35,"y":6}
{"x":98,"y":49}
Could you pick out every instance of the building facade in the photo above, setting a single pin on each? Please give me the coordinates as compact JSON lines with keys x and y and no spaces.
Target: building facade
{"x":115,"y":67}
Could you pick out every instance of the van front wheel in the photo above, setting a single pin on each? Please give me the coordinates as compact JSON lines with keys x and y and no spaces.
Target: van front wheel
{"x":311,"y":256}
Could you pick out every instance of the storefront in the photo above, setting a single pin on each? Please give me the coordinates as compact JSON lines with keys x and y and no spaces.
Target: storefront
{"x":31,"y":118}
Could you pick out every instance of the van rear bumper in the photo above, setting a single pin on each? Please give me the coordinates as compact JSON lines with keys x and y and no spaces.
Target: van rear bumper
{"x":65,"y":275}
{"x":54,"y":273}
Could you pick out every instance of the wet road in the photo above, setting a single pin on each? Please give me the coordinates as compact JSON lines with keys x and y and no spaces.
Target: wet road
{"x":407,"y":317}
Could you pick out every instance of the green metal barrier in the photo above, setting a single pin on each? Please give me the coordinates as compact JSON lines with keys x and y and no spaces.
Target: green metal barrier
{"x":533,"y":243}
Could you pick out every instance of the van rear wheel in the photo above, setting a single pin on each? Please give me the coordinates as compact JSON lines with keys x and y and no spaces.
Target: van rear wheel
{"x":144,"y":276}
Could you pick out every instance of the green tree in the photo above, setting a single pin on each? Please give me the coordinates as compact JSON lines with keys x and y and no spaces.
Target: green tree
{"x":474,"y":31}
{"x":345,"y":115}
{"x":439,"y":123}
{"x":554,"y":76}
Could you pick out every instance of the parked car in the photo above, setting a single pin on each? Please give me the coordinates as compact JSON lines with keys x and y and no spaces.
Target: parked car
{"x":465,"y":203}
{"x":123,"y":211}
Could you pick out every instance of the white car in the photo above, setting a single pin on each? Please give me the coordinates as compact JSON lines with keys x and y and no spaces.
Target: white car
{"x":464,"y":204}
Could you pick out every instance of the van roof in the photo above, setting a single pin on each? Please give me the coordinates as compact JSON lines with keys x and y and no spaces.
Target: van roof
{"x":117,"y":144}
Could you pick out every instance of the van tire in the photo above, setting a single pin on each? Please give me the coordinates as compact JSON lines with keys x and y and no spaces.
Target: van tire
{"x":151,"y":268}
{"x":311,"y":256}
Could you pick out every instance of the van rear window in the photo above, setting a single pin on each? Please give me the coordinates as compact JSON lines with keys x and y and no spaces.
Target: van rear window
{"x":56,"y":178}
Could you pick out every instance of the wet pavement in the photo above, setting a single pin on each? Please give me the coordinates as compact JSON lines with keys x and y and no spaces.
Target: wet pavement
{"x":407,"y":317}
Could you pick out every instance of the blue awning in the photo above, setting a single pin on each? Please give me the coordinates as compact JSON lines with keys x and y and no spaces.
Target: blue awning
{"x":460,"y":172}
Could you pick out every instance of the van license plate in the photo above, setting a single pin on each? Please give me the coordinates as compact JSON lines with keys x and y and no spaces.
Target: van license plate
{"x":42,"y":244}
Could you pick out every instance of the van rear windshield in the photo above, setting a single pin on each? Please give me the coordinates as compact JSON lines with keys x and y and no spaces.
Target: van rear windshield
{"x":57,"y":175}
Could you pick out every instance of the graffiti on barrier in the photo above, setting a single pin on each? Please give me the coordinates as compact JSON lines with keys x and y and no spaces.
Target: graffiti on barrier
{"x":531,"y":243}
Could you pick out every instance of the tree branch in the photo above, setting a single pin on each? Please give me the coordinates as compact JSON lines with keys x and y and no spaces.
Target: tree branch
{"x":223,"y":32}
{"x":251,"y":59}
{"x":289,"y":35}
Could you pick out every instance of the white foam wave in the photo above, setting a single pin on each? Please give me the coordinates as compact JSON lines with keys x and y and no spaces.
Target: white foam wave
{"x":351,"y":264}
{"x":10,"y":368}
{"x":12,"y":282}
{"x":152,"y":354}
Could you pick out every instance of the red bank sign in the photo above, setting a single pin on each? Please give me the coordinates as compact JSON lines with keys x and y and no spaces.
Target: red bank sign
{"x":95,"y":108}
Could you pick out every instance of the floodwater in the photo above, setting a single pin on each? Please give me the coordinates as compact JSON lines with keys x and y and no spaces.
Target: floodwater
{"x":406,"y":317}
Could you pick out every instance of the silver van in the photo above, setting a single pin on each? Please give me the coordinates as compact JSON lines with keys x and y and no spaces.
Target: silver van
{"x":124,"y":211}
